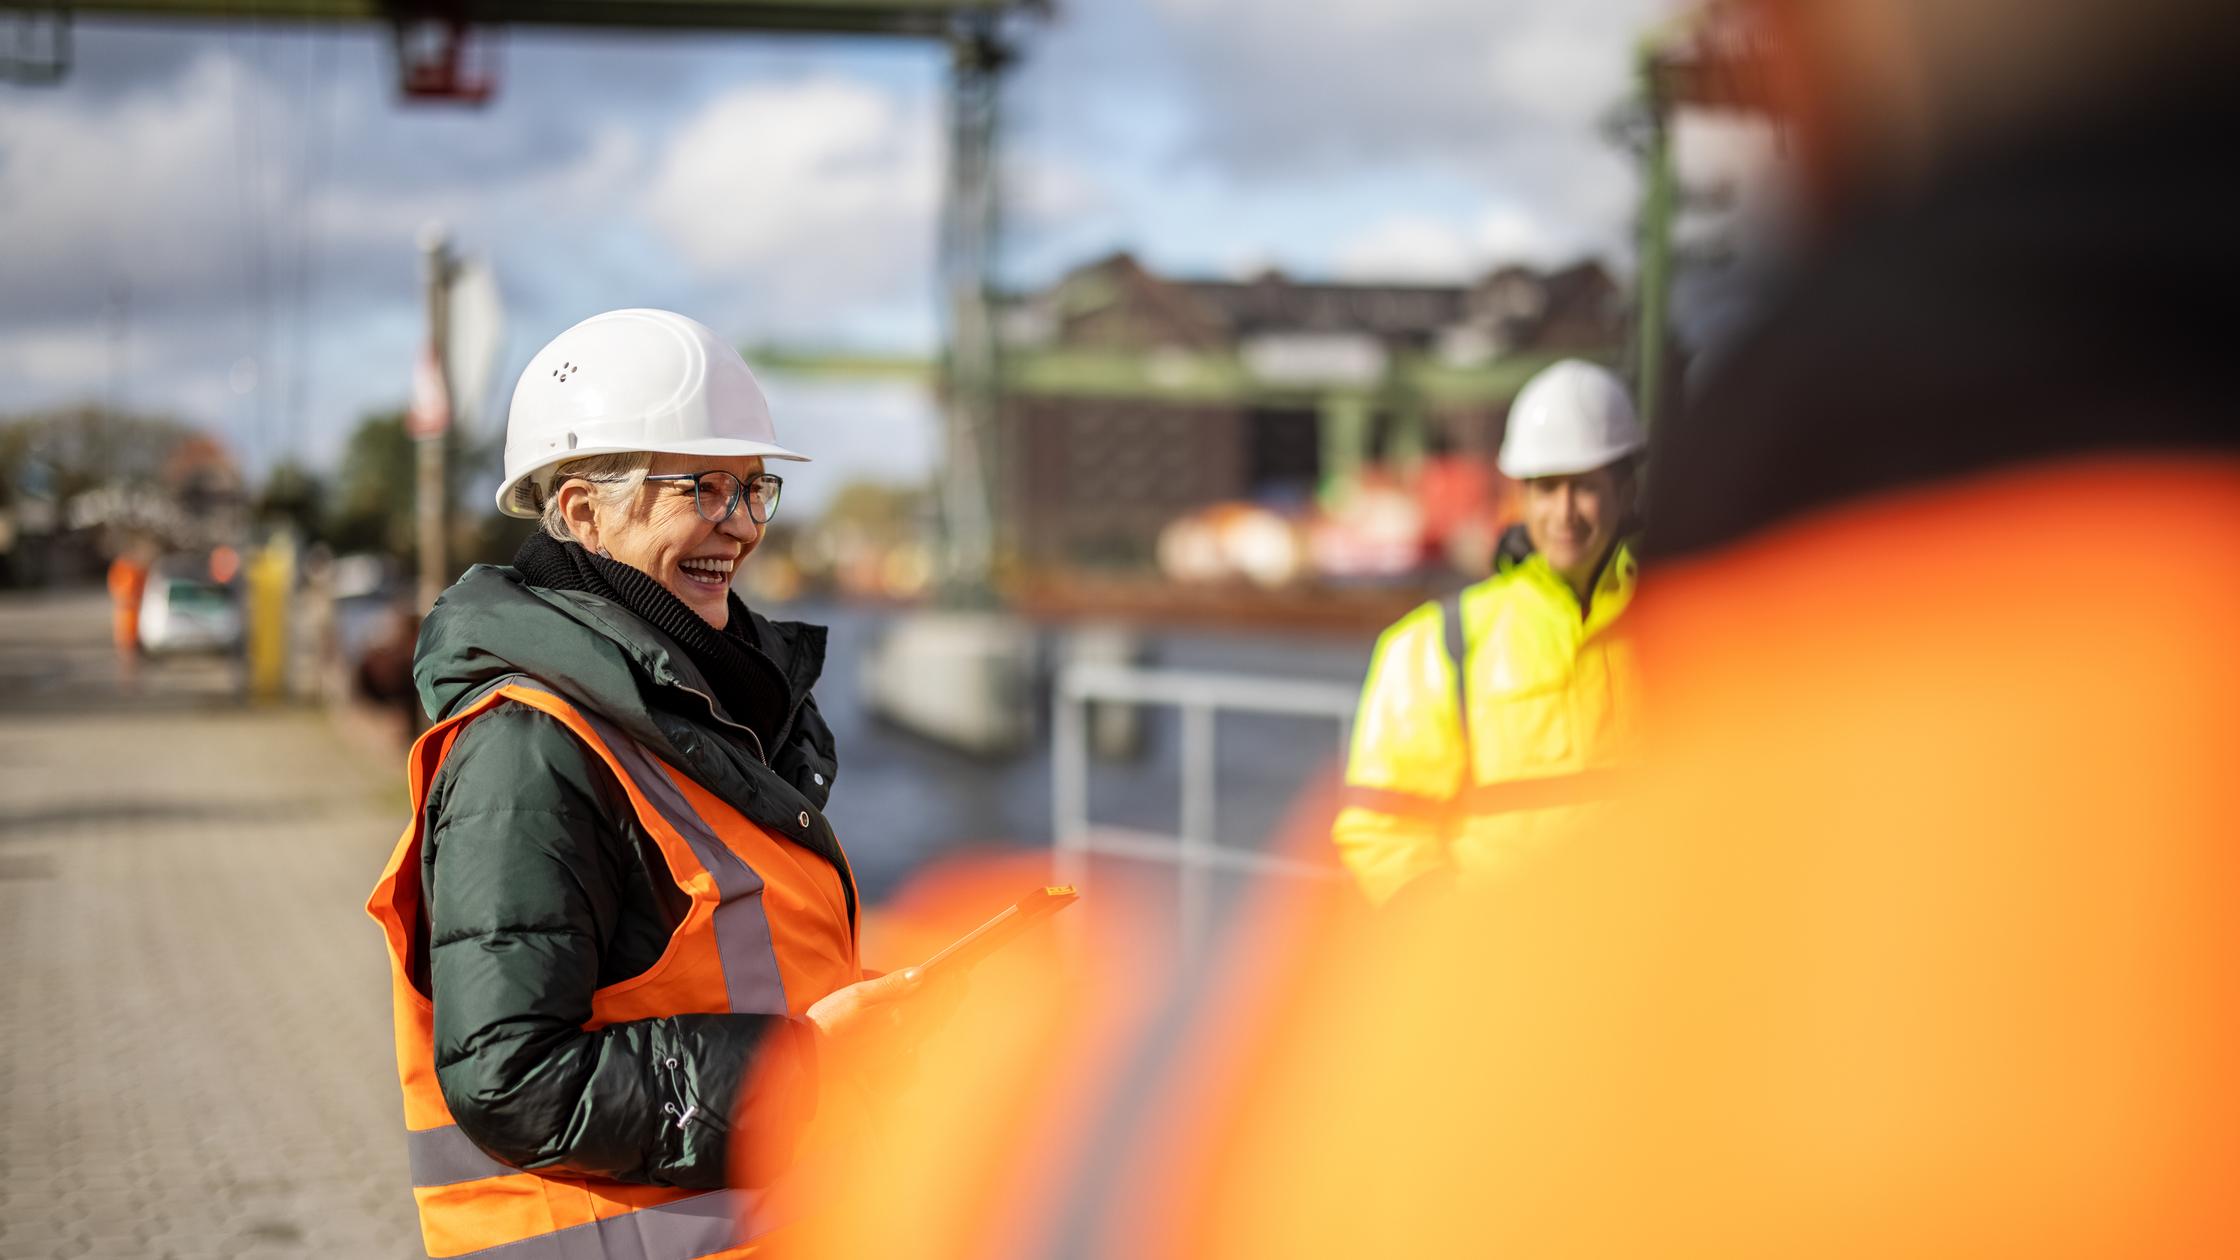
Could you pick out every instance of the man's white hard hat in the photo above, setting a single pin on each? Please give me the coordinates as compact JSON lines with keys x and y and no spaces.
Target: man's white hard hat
{"x":634,"y":380}
{"x":1571,"y":417}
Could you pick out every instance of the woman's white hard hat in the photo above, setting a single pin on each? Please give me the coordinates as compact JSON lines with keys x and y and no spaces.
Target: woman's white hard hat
{"x":1571,"y":417}
{"x":634,"y":380}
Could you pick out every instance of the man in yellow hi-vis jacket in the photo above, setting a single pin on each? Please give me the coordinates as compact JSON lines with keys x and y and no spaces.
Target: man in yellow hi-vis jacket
{"x":1489,"y":717}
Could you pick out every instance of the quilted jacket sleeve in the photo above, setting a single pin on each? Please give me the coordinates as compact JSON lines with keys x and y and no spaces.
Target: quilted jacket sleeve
{"x":532,"y":846}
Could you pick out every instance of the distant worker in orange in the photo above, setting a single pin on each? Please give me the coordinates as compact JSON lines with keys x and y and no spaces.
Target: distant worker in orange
{"x":1485,"y":713}
{"x":128,"y":584}
{"x":225,"y":564}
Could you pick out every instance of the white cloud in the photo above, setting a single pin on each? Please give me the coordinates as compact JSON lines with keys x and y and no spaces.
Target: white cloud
{"x":808,"y":198}
{"x":1422,"y":249}
{"x":154,"y":185}
{"x":1041,"y":188}
{"x":1398,"y":137}
{"x":1355,"y":79}
{"x":1510,"y":234}
{"x":869,"y":430}
{"x":1503,"y":97}
{"x":60,"y":359}
{"x":1407,"y":248}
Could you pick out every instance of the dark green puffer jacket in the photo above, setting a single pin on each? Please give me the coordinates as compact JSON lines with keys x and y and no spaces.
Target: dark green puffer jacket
{"x":542,"y":887}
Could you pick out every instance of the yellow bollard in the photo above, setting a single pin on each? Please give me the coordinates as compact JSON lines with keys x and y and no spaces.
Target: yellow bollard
{"x":272,"y":577}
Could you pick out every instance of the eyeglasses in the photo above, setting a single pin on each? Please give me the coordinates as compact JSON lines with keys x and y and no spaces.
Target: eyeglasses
{"x":717,"y":494}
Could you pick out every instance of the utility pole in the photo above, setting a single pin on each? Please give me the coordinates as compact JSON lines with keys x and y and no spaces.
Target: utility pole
{"x":430,"y":418}
{"x":1653,"y":286}
{"x":1714,"y":58}
{"x":968,"y":228}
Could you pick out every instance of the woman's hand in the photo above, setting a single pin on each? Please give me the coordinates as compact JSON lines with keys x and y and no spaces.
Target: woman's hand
{"x":867,"y":1011}
{"x":883,"y":1018}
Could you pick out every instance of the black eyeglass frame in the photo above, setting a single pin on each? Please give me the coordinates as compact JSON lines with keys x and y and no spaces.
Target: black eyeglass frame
{"x":738,"y":493}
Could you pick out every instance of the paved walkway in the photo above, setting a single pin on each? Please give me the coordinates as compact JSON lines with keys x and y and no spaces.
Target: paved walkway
{"x":194,"y":1030}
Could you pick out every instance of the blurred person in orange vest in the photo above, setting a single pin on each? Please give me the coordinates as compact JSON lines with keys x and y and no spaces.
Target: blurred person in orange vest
{"x":620,"y":927}
{"x":225,"y":564}
{"x":1485,"y":714}
{"x":128,"y":585}
{"x":1919,"y":934}
{"x":1461,"y":508}
{"x":1916,"y":933}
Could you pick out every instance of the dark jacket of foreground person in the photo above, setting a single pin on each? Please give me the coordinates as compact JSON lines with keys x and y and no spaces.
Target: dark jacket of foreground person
{"x":542,"y":885}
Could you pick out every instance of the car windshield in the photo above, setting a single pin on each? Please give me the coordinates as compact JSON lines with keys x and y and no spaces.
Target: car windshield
{"x":198,"y":597}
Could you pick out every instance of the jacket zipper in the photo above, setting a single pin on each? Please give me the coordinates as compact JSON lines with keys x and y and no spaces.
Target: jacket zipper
{"x":792,"y":715}
{"x":717,"y":714}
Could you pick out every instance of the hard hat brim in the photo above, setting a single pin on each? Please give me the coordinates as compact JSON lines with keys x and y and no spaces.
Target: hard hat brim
{"x":1520,"y":470}
{"x":512,"y":501}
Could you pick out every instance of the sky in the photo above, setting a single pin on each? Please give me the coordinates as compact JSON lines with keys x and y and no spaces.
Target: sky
{"x":219,"y":222}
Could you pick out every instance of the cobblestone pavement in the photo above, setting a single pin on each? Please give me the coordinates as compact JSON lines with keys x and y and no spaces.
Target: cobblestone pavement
{"x":193,"y":1005}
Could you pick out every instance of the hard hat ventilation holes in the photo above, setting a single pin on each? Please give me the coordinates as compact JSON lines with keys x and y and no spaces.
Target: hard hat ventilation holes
{"x":664,"y":382}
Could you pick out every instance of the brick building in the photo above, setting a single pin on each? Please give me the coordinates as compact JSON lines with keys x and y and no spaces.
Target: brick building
{"x":1133,"y":398}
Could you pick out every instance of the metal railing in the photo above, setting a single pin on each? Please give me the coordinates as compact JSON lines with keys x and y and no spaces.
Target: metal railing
{"x":1200,"y":697}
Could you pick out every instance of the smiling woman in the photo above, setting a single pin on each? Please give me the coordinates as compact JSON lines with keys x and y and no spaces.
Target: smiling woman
{"x":619,"y":925}
{"x":675,"y":518}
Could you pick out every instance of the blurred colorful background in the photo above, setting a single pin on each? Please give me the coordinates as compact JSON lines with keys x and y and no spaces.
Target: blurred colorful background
{"x":1152,"y":354}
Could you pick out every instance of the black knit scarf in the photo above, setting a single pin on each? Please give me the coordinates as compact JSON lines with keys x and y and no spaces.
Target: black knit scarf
{"x":747,"y":683}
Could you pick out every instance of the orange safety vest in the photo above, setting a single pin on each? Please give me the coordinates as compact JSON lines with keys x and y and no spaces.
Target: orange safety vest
{"x":1913,"y":935}
{"x":768,"y":932}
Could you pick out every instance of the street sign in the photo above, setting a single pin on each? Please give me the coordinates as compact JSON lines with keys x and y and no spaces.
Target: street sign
{"x":431,"y":406}
{"x":476,"y":321}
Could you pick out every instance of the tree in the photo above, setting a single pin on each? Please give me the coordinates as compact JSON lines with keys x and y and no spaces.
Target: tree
{"x":296,"y":495}
{"x":65,"y":452}
{"x":370,"y":508}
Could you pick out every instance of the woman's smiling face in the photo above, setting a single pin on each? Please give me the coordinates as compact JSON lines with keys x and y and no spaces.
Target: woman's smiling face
{"x":662,"y":535}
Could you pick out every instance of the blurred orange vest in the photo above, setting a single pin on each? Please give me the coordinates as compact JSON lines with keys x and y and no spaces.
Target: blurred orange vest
{"x":1916,"y":935}
{"x":128,"y":583}
{"x":768,"y":932}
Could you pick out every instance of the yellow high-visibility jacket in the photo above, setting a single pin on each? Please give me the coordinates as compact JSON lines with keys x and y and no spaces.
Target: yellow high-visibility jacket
{"x":1551,"y":698}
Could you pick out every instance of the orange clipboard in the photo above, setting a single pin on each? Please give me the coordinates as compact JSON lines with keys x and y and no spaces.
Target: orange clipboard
{"x":965,"y":951}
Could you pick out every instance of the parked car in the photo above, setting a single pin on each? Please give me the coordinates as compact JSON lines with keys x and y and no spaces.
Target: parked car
{"x":183,"y":613}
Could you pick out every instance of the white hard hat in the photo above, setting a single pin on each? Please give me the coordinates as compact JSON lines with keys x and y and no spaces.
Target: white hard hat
{"x":635,"y":380}
{"x":1571,"y":417}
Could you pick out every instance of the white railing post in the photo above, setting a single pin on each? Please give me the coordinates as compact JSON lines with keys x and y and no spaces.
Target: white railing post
{"x":1069,"y":779}
{"x":1196,"y":851}
{"x":1197,"y":841}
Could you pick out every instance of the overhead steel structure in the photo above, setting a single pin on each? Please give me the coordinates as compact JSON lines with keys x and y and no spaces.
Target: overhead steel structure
{"x":1712,"y":57}
{"x":436,"y":42}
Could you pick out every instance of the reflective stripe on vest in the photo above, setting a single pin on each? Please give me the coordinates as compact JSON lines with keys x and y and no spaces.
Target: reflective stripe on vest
{"x":443,"y":1156}
{"x":724,"y":957}
{"x":1458,"y":651}
{"x":750,"y":962}
{"x":683,"y":1229}
{"x":1552,"y":791}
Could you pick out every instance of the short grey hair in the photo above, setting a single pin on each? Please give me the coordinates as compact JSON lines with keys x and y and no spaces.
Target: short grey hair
{"x":615,"y":480}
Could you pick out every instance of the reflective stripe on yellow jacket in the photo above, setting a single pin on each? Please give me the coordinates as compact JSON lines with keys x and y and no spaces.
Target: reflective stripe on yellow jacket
{"x":1552,"y":697}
